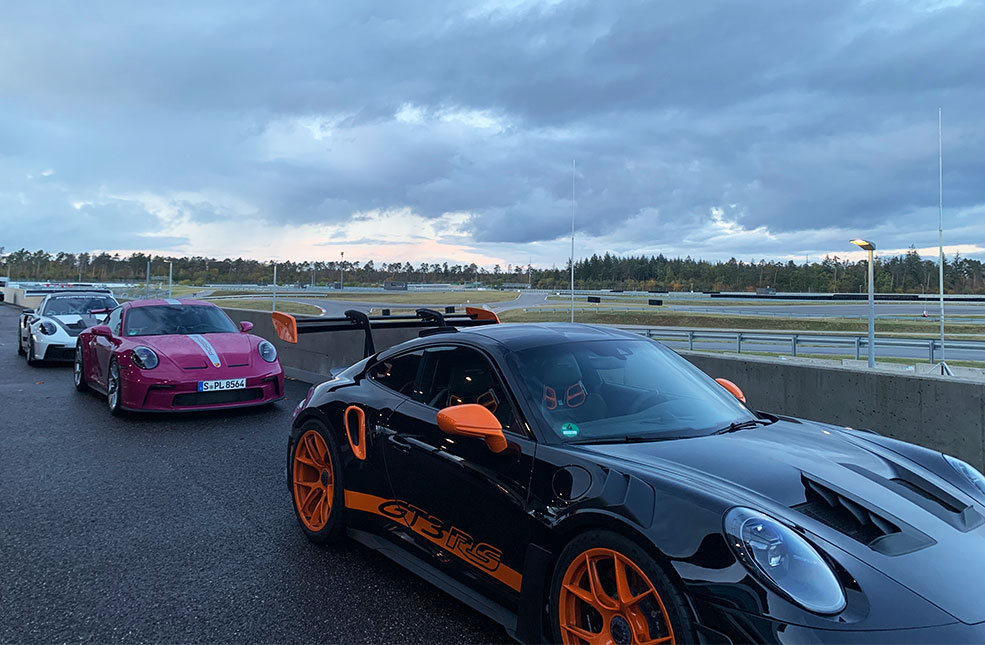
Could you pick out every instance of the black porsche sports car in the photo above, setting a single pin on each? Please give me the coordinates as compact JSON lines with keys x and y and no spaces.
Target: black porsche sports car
{"x":580,"y":484}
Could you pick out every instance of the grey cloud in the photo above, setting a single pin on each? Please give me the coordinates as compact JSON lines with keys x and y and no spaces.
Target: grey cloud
{"x":803,"y":115}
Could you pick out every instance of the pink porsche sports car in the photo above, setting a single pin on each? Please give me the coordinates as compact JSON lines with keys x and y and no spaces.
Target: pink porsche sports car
{"x":172,"y":355}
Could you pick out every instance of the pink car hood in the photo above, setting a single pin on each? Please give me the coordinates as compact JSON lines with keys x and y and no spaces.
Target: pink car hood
{"x":193,"y":351}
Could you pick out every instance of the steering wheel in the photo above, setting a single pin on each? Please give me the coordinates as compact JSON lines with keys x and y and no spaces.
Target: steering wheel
{"x":436,"y":400}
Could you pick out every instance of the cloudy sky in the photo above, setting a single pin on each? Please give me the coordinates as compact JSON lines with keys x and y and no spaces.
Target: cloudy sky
{"x":434,"y":131}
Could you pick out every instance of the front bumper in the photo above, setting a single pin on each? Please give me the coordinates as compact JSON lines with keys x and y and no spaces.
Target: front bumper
{"x":145,"y":391}
{"x":53,"y":348}
{"x":719,"y":625}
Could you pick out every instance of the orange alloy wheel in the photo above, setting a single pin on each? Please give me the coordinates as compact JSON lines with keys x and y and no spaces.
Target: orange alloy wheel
{"x":314,"y":480}
{"x":606,"y":598}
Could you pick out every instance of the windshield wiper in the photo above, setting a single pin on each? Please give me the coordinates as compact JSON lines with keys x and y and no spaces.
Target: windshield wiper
{"x":743,"y":425}
{"x":630,"y":438}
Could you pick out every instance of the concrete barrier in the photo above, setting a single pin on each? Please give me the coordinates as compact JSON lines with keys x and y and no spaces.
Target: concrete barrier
{"x":15,"y":296}
{"x":942,"y":414}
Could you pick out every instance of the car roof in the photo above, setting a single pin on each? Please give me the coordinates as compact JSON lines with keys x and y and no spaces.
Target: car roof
{"x":163,"y":302}
{"x":520,"y":336}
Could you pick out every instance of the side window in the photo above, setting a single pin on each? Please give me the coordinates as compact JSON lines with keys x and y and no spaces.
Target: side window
{"x":458,"y":375}
{"x":115,"y":321}
{"x":398,"y":373}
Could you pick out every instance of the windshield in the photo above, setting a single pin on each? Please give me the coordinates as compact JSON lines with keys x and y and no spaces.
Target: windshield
{"x":77,"y":305}
{"x":159,"y":320}
{"x":622,"y":389}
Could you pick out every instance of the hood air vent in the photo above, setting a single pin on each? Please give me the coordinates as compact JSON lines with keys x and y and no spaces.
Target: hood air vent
{"x":844,"y":515}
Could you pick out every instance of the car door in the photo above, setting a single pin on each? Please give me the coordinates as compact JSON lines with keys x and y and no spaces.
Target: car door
{"x":463,"y":505}
{"x":102,"y":348}
{"x":27,"y":319}
{"x":387,"y":384}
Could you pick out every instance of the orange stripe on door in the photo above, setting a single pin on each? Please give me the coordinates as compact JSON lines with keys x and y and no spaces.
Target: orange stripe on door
{"x":396,"y":511}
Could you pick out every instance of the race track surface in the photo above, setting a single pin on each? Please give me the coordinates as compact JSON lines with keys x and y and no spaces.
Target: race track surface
{"x":179,"y":528}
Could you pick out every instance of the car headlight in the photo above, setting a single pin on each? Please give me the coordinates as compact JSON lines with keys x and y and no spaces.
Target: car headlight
{"x":968,"y":471}
{"x":47,"y":328}
{"x":144,"y":358}
{"x":786,"y":560}
{"x":267,"y":351}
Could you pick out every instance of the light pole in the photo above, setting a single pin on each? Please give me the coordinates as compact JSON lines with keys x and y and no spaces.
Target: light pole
{"x":273,"y":300}
{"x":945,"y":370}
{"x":342,"y":271}
{"x":170,"y":276}
{"x":572,"y":240}
{"x":870,"y":247}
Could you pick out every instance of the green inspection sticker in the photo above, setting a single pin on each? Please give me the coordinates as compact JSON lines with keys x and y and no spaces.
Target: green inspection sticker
{"x":569,"y":430}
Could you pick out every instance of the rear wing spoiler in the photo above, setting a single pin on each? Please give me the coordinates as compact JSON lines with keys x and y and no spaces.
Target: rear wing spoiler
{"x":288,"y":327}
{"x":43,"y":291}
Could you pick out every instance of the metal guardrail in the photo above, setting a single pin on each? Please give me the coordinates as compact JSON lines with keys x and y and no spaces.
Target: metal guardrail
{"x":855,"y":344}
{"x":961,"y":319}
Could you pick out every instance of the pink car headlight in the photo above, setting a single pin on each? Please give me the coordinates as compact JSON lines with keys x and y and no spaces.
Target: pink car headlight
{"x":144,"y":358}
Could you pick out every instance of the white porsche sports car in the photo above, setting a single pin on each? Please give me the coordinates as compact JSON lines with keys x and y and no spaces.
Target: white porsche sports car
{"x":48,"y":333}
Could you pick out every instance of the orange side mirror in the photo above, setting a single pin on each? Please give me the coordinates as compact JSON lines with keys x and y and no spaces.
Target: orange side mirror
{"x":732,"y":388}
{"x":473,"y":420}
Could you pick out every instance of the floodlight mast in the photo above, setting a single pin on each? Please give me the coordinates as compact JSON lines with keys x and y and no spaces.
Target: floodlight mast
{"x":572,"y":240}
{"x":865,"y":245}
{"x":945,"y":370}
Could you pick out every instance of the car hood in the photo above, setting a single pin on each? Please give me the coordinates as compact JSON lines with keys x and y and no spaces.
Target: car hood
{"x":887,"y":511}
{"x":200,"y":351}
{"x":74,"y":324}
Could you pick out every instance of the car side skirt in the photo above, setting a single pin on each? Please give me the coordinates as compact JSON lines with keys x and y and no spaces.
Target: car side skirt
{"x":442,"y":581}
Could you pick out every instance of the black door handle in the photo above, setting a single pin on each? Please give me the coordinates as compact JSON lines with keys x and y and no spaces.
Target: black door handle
{"x":399,"y":443}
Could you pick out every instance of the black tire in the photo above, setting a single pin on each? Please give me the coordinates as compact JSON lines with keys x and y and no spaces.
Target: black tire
{"x":78,"y":370}
{"x":31,"y":357}
{"x":317,"y":529}
{"x":20,"y":344}
{"x":648,"y":610}
{"x":113,"y":388}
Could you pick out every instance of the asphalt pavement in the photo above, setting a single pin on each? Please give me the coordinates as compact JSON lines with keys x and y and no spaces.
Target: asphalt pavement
{"x":179,"y":528}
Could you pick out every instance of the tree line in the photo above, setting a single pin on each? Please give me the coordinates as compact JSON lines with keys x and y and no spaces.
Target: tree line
{"x":907,"y":273}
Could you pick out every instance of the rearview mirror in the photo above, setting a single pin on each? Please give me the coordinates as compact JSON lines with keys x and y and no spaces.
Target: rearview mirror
{"x":245,"y":325}
{"x":102,"y":330}
{"x":732,"y":388}
{"x":473,"y":420}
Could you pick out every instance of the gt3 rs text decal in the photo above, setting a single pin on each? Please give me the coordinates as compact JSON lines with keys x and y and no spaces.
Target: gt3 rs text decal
{"x":207,"y":348}
{"x":456,"y":541}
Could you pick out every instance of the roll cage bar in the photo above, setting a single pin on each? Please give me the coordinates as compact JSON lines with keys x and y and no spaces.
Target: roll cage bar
{"x":288,"y":327}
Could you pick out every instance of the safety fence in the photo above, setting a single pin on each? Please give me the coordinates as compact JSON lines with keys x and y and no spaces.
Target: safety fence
{"x":781,"y":342}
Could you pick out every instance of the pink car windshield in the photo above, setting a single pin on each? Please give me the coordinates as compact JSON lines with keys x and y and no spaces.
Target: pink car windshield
{"x":158,"y":320}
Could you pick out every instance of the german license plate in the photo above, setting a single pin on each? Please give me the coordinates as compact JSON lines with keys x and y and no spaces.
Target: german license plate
{"x":228,"y":384}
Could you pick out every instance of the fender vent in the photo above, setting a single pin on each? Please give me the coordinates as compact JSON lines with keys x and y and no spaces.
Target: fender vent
{"x":843,"y":514}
